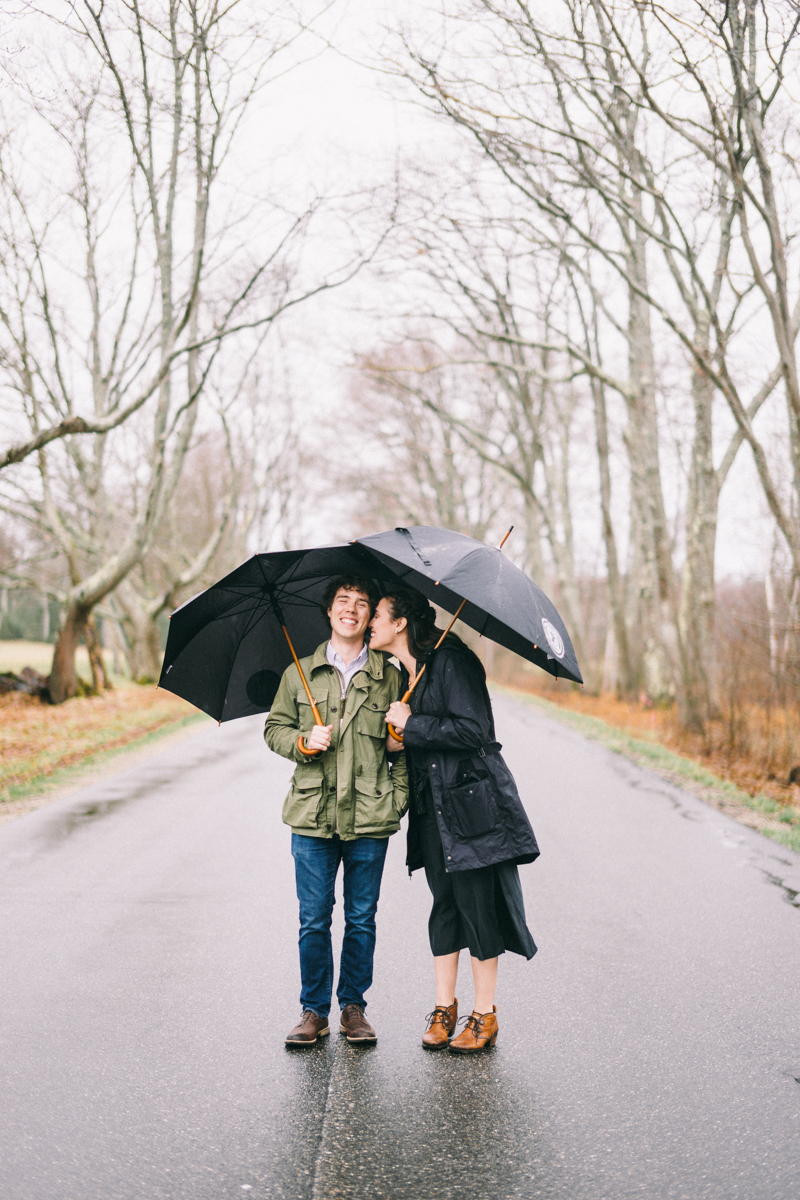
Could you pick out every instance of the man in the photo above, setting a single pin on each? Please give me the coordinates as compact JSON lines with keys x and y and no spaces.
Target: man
{"x":343,"y":805}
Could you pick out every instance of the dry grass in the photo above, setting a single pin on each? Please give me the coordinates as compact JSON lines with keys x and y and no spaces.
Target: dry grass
{"x":37,"y":740}
{"x":752,"y":768}
{"x":781,"y":822}
{"x":741,"y":782}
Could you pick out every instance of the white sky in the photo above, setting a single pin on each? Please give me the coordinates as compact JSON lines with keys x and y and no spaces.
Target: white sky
{"x":335,"y":125}
{"x":356,"y":126}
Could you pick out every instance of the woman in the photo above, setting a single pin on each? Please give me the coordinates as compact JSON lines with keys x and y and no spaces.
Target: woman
{"x":467,"y":826}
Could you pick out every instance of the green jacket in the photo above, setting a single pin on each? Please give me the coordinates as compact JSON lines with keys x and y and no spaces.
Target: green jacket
{"x":348,"y":788}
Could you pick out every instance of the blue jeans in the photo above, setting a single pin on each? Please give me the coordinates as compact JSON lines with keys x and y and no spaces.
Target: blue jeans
{"x":316,"y":863}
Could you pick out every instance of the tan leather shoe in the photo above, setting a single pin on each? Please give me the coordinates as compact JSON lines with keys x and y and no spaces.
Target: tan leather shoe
{"x":356,"y":1026}
{"x":479,"y":1032}
{"x":310,"y":1028}
{"x":441,"y":1023}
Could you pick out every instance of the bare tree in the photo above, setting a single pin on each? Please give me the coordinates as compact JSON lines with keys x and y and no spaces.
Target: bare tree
{"x":146,"y":129}
{"x":238,"y":493}
{"x":572,"y":225}
{"x":571,"y":111}
{"x":184,"y":555}
{"x":423,"y":472}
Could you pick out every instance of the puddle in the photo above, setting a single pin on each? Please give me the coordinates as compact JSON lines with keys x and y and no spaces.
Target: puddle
{"x":789,"y":894}
{"x":152,"y":778}
{"x":60,"y":827}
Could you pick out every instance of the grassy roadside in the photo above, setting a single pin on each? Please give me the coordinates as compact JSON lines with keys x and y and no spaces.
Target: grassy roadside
{"x":43,"y":748}
{"x":41,"y":788}
{"x":760,"y":812}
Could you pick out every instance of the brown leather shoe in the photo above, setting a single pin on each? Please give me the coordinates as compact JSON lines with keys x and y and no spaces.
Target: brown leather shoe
{"x":356,"y":1026}
{"x":310,"y":1028}
{"x":441,"y":1023}
{"x":479,"y":1032}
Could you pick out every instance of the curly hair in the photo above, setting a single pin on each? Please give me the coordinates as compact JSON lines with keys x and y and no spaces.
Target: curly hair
{"x":351,"y":583}
{"x":421,"y":617}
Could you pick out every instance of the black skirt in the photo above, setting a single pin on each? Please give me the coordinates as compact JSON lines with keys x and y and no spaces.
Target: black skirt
{"x":482,"y":909}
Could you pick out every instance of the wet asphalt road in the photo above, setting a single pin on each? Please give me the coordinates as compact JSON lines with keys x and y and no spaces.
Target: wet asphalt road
{"x":148,"y":973}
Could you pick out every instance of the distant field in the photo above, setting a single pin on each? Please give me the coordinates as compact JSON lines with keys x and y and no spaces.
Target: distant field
{"x":39,"y":655}
{"x":14,"y":655}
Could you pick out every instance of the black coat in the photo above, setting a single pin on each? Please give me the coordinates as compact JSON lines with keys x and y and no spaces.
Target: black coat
{"x":451,"y":734}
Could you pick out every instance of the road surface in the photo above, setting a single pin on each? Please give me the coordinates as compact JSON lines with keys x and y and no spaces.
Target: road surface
{"x":148,"y":974}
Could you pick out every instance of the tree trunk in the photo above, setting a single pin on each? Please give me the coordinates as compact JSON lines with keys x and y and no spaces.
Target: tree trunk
{"x":143,"y":640}
{"x":100,"y":680}
{"x":63,"y":682}
{"x":697,"y":696}
{"x":624,"y":679}
{"x":654,"y":586}
{"x":148,"y":653}
{"x":533,"y":541}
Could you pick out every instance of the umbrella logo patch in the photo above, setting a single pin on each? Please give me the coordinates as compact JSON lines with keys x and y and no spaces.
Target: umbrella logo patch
{"x":553,"y":637}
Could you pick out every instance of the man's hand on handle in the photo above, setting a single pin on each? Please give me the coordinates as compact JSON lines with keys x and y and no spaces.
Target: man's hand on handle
{"x":319,"y":738}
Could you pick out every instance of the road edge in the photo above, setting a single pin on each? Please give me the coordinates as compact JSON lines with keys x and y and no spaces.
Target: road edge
{"x":674,"y":768}
{"x":100,"y":765}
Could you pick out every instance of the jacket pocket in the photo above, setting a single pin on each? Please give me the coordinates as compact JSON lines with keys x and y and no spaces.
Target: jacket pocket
{"x":304,"y":713}
{"x":371,"y":722}
{"x":473,"y":806}
{"x":374,"y":808}
{"x":303,"y":806}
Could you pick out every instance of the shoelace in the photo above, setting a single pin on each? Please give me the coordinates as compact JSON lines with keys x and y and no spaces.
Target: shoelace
{"x":473,"y":1023}
{"x":440,"y":1008}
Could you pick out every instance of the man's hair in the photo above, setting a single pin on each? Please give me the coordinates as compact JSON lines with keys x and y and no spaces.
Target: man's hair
{"x":351,"y":583}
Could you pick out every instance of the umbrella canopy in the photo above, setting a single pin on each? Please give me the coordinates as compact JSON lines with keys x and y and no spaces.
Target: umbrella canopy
{"x":226,"y":649}
{"x":502,"y":603}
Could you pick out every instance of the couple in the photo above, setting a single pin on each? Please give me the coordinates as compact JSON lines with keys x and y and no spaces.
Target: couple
{"x":354,"y":781}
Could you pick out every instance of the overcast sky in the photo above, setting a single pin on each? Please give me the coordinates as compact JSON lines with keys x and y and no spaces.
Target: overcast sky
{"x":335,"y":125}
{"x":356,"y":126}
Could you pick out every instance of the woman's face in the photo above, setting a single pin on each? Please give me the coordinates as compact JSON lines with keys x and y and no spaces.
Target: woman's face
{"x":384,"y":627}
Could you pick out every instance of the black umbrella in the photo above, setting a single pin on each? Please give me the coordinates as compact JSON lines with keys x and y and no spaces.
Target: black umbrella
{"x":228,"y":647}
{"x":489,"y":593}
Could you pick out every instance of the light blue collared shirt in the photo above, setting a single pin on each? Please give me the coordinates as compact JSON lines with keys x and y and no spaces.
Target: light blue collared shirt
{"x":347,"y":672}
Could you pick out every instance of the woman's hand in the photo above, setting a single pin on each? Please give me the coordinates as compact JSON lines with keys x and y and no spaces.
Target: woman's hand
{"x":398,"y":714}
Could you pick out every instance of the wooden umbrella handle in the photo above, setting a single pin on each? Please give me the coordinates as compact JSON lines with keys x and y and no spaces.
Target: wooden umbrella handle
{"x":398,"y":737}
{"x":301,"y":745}
{"x":301,"y":740}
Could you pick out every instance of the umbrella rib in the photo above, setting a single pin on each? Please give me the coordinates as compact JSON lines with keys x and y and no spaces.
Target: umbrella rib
{"x":286,"y":594}
{"x":225,"y":611}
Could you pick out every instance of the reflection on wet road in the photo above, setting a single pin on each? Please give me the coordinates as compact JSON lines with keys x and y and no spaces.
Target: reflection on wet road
{"x":149,"y":973}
